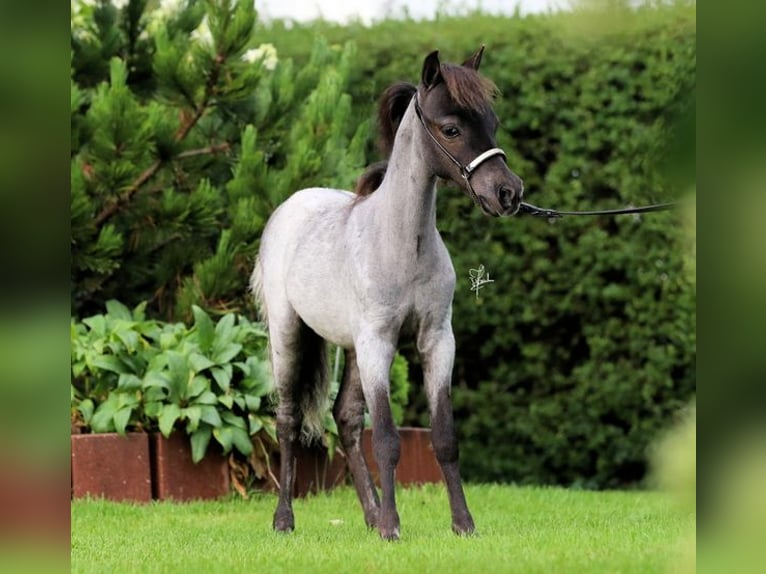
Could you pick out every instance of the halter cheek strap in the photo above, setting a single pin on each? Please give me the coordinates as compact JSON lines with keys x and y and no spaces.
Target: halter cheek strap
{"x":466,"y":171}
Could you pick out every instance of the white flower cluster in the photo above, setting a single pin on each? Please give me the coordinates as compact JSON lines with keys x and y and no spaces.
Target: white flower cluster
{"x":265,"y":53}
{"x":202,"y":34}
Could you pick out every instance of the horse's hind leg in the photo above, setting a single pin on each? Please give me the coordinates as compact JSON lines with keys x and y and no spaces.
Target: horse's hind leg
{"x":349,"y":415}
{"x":284,"y":343}
{"x":438,"y":352}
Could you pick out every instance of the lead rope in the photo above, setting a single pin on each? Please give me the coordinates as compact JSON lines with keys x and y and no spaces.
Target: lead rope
{"x":529,"y":209}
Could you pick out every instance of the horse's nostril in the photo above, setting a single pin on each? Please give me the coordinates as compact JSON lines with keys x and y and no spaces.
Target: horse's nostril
{"x":505,"y":196}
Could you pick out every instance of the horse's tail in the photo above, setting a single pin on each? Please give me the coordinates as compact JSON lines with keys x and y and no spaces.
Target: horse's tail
{"x":256,"y":288}
{"x":313,"y":387}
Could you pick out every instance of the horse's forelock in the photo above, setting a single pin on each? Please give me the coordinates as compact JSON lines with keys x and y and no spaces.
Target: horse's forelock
{"x":468,"y":89}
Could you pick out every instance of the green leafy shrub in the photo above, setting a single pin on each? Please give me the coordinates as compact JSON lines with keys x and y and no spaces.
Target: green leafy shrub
{"x":187,"y":132}
{"x":209,"y":381}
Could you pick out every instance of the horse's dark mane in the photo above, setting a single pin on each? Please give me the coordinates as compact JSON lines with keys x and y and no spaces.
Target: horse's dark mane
{"x":391,"y":107}
{"x":371,"y":179}
{"x":467,"y":89}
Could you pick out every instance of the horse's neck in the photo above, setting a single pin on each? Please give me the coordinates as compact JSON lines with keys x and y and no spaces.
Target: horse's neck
{"x":405,"y":202}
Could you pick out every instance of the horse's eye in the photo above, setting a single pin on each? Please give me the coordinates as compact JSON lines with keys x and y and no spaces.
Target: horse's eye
{"x":450,"y":131}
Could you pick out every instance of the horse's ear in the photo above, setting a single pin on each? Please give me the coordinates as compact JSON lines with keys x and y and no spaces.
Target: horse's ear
{"x":431,"y":70}
{"x":474,"y":61}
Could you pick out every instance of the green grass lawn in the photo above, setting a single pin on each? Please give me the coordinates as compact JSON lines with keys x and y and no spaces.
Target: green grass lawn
{"x":519,"y":530}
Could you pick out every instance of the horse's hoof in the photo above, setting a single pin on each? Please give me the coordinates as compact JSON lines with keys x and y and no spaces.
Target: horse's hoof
{"x":464,"y":527}
{"x":285,"y":528}
{"x":371,"y":520}
{"x":390,"y":535}
{"x":284,"y":523}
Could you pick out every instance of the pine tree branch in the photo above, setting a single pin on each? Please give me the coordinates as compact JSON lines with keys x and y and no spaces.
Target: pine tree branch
{"x":110,"y":210}
{"x":213,"y":149}
{"x":115,"y":206}
{"x":212,"y":80}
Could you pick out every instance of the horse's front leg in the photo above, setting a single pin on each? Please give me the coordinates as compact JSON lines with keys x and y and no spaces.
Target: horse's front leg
{"x":374,"y":357}
{"x":349,"y":415}
{"x":437,"y":350}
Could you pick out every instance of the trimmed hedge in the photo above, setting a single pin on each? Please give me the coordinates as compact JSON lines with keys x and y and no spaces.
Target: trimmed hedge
{"x":584,"y":347}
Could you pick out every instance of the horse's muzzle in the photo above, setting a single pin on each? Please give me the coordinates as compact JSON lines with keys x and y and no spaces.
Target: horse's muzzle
{"x":510,"y":196}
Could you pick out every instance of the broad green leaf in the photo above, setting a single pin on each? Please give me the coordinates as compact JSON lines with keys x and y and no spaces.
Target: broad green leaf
{"x":226,"y":353}
{"x":233,"y":420}
{"x":130,"y":399}
{"x":168,"y":418}
{"x":128,"y":337}
{"x":110,"y":363}
{"x":206,"y":398}
{"x":256,"y":423}
{"x":224,"y":436}
{"x":178,"y":365}
{"x":226,"y":400}
{"x":180,"y":374}
{"x":329,"y":424}
{"x":118,"y":310}
{"x":222,"y":376}
{"x":103,"y":418}
{"x":121,"y":419}
{"x":270,"y":426}
{"x":199,"y":441}
{"x":97,"y":324}
{"x":157,"y":362}
{"x":168,"y":340}
{"x":253,"y":403}
{"x":210,"y":416}
{"x":199,"y":362}
{"x":259,"y":379}
{"x":86,"y":409}
{"x":193,"y":414}
{"x":129,"y":382}
{"x":331,"y":442}
{"x":152,"y":409}
{"x":205,"y":329}
{"x":224,"y":330}
{"x":135,"y":363}
{"x":241,"y":440}
{"x":139,"y":311}
{"x":156,"y":379}
{"x":197,"y":386}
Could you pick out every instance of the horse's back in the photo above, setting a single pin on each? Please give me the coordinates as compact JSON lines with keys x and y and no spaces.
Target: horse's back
{"x":301,"y":212}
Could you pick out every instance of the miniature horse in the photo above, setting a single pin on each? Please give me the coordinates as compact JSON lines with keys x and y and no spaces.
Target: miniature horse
{"x":365,"y":271}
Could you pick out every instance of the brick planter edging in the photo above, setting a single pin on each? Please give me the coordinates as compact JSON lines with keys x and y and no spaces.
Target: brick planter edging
{"x":175,"y":476}
{"x":141,"y":466}
{"x":111,"y":466}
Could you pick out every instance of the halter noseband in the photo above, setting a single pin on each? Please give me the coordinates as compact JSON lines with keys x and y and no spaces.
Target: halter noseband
{"x":466,"y":171}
